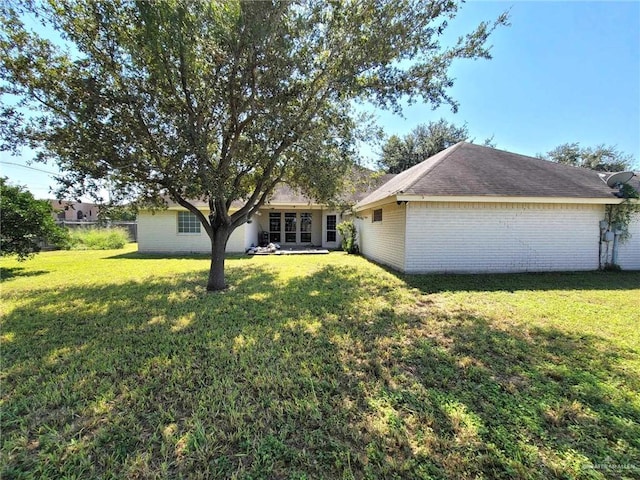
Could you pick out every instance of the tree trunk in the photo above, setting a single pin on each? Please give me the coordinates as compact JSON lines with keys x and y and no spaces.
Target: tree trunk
{"x":216,"y":271}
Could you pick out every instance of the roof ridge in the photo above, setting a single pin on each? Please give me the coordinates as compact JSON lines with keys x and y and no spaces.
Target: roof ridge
{"x":451,"y":149}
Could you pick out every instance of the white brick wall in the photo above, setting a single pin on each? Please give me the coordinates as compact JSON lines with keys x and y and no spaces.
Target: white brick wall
{"x":158,"y":233}
{"x":629,"y":252}
{"x":501,"y":237}
{"x":383,"y":241}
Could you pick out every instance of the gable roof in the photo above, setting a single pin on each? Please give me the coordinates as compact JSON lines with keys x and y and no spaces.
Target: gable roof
{"x":466,"y":169}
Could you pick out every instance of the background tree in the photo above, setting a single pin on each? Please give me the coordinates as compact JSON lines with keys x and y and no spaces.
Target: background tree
{"x":424,"y":141}
{"x":217,"y":100}
{"x":24,"y":222}
{"x":602,"y":158}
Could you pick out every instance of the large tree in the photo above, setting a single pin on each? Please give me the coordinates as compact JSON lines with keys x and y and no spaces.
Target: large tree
{"x":603,"y":158}
{"x":25,"y":222}
{"x":217,"y":100}
{"x":422,"y":142}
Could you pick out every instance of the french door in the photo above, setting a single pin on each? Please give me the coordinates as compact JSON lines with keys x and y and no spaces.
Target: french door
{"x":290,"y":227}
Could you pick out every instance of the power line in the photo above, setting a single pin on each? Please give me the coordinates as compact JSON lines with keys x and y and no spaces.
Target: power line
{"x":31,"y":168}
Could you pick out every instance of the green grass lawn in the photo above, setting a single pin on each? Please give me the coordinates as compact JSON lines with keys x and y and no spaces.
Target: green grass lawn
{"x":119,"y":365}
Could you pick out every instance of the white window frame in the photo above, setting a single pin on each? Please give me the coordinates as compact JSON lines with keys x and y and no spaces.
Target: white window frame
{"x":194,"y":229}
{"x":334,"y":230}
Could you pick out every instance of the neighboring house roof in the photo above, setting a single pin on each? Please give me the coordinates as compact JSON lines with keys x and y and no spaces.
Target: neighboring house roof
{"x":466,"y":169}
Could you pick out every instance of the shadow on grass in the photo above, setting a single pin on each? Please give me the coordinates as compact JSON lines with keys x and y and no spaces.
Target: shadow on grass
{"x":324,"y":376}
{"x":13,"y":272}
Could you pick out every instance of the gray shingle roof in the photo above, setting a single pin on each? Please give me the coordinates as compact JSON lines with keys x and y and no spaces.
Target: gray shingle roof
{"x":362,"y":182}
{"x":466,"y":169}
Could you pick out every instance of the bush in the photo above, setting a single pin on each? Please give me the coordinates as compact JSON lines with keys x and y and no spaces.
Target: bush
{"x":25,"y":222}
{"x":98,"y":238}
{"x":349,"y":235}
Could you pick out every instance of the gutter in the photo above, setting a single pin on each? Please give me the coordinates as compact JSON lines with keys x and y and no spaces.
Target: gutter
{"x":490,"y":199}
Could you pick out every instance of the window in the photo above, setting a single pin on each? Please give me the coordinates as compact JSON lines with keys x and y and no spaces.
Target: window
{"x":290,"y":227}
{"x":275,"y":226}
{"x":377,"y":215}
{"x":188,"y":223}
{"x":331,"y":228}
{"x":305,"y":228}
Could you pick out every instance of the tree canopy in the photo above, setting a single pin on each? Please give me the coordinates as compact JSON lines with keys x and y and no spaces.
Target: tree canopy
{"x":603,"y":158}
{"x":422,"y":142}
{"x":24,"y":222}
{"x":217,"y":100}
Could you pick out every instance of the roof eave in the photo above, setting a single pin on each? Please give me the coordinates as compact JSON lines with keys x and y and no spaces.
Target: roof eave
{"x":488,"y":199}
{"x":508,"y":199}
{"x":383,"y":201}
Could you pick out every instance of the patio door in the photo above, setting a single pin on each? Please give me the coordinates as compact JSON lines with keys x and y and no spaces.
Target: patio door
{"x":294,"y":228}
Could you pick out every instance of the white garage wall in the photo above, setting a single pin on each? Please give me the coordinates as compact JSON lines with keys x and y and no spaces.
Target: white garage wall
{"x":383,"y":242}
{"x":250,"y":235}
{"x":501,"y":237}
{"x":158,"y":233}
{"x":629,"y":252}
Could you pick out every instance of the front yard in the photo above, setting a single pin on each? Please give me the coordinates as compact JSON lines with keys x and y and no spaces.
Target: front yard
{"x":117,"y":365}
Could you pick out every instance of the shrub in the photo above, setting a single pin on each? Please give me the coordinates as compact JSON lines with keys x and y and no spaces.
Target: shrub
{"x":98,"y":238}
{"x":349,"y":235}
{"x":25,"y":222}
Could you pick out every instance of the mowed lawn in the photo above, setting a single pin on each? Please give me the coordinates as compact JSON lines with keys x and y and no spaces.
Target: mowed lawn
{"x":119,"y":365}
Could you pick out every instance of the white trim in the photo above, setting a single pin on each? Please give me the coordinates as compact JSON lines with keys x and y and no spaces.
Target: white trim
{"x":377,"y":204}
{"x":503,"y":199}
{"x":488,"y":199}
{"x":293,"y":206}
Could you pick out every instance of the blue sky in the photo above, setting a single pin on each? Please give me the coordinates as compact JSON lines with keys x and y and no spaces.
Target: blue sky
{"x":562,"y":72}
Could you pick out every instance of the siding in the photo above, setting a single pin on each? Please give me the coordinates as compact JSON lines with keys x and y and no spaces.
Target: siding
{"x":316,"y":227}
{"x":158,"y":233}
{"x":629,"y":252}
{"x":384,"y":242}
{"x":501,"y":237}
